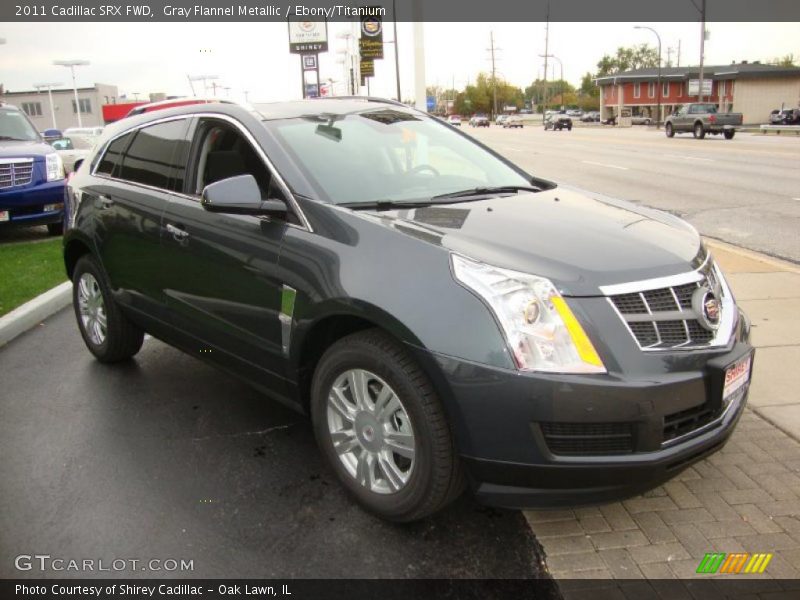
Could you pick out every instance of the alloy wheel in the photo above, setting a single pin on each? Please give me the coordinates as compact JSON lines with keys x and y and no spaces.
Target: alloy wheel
{"x":92,"y":308}
{"x":371,"y":431}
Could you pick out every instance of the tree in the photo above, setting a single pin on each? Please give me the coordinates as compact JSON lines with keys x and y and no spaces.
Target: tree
{"x":642,"y":56}
{"x":785,"y":61}
{"x":588,"y":87}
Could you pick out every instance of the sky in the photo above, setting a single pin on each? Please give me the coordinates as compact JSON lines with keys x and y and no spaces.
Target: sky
{"x":157,"y":57}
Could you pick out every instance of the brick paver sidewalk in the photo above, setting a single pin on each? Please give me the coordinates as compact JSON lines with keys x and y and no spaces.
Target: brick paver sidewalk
{"x":745,"y":498}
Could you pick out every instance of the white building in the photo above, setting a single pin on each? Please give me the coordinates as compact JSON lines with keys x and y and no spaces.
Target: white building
{"x":36,"y":105}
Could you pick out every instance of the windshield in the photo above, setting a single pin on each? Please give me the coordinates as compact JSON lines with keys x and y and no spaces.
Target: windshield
{"x":15,"y":126}
{"x":387,"y":154}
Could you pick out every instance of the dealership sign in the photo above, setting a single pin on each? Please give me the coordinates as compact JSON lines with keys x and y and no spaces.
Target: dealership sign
{"x":370,"y":44}
{"x":308,"y":37}
{"x":367,"y":68}
{"x":694,"y":87}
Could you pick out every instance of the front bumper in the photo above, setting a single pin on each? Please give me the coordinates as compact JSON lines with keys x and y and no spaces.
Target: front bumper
{"x":25,"y":205}
{"x":637,"y":431}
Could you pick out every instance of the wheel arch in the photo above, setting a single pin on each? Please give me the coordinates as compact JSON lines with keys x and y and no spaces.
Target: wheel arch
{"x":74,"y":249}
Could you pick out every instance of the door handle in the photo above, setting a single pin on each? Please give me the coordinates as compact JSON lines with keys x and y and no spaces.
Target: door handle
{"x":105,"y":202}
{"x":178,"y":234}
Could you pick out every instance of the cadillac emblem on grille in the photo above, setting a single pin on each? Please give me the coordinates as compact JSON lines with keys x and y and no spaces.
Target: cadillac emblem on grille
{"x":706,"y":304}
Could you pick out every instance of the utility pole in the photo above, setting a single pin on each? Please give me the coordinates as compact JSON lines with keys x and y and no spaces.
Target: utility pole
{"x":546,"y":52}
{"x":494,"y":74}
{"x":669,"y":56}
{"x":702,"y":45}
{"x":679,"y":53}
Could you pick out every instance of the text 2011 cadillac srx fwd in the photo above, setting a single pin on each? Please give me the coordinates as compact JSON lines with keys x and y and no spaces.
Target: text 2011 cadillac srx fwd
{"x":445,"y":318}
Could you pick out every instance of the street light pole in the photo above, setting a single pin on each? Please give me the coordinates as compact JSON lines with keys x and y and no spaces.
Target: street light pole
{"x":49,"y":87}
{"x":658,"y":85}
{"x":72,"y":64}
{"x":396,"y":51}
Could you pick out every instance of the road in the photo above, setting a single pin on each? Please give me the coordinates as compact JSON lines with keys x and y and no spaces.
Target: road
{"x":165,"y":457}
{"x":744,"y":191}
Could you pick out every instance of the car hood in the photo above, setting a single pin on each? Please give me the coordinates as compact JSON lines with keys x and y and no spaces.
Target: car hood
{"x":578,"y":240}
{"x":12,"y":149}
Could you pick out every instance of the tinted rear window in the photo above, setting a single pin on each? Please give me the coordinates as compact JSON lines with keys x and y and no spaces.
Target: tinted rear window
{"x":156,"y":155}
{"x":109,"y":164}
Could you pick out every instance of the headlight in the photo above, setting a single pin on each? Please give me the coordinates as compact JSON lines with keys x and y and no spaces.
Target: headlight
{"x":539,"y":326}
{"x":55,"y":167}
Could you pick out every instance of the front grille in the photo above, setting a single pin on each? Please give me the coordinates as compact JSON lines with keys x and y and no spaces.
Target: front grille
{"x":588,"y":439}
{"x":663,"y":318}
{"x":15,"y":173}
{"x":685,"y":421}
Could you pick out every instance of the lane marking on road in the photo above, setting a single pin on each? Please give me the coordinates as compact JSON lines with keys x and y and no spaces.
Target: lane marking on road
{"x":589,"y":162}
{"x":689,"y":157}
{"x":798,"y":199}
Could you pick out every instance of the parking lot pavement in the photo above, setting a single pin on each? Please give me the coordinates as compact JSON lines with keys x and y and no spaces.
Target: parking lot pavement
{"x":745,"y":498}
{"x":165,"y":457}
{"x":745,"y":191}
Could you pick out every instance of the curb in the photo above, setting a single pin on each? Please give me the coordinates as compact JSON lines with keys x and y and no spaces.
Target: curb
{"x":34,"y":312}
{"x":780,"y":264}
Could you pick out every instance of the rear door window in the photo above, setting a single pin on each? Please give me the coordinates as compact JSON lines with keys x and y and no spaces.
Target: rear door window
{"x":112,"y":158}
{"x":157,"y":155}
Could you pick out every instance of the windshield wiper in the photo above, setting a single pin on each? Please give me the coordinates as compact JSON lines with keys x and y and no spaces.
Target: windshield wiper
{"x":485,"y":191}
{"x":384,"y":204}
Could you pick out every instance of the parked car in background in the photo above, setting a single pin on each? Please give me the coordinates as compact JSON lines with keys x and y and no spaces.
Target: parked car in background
{"x":786,"y":116}
{"x":454,"y":120}
{"x":72,"y":149}
{"x":641,"y":120}
{"x":479,"y":121}
{"x":513,"y":122}
{"x":52,"y":134}
{"x":701,"y":118}
{"x":557,"y":122}
{"x":31,"y":174}
{"x":500,"y":119}
{"x":84,"y":131}
{"x":593,"y":116}
{"x":574,"y":112}
{"x":445,"y":317}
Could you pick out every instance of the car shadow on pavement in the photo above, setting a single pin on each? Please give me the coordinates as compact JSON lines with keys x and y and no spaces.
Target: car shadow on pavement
{"x":165,"y":456}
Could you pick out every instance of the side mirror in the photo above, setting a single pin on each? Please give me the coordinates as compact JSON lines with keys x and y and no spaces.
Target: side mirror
{"x":240,"y":196}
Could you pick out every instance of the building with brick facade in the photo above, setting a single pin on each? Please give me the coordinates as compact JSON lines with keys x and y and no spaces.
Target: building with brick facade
{"x":753,"y":89}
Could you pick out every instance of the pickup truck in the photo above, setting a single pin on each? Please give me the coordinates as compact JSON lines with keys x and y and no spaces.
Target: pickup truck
{"x":31,"y":175}
{"x":701,"y":118}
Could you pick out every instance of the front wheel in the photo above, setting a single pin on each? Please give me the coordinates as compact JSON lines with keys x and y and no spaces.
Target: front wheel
{"x":729,"y":134}
{"x":699,"y":131}
{"x":108,"y":333}
{"x":669,"y":131}
{"x":381,"y":427}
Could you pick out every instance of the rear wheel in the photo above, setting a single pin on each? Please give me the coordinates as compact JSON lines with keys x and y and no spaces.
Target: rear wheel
{"x":108,"y":333}
{"x":729,"y":134}
{"x":382,"y":429}
{"x":669,"y":131}
{"x":699,"y":131}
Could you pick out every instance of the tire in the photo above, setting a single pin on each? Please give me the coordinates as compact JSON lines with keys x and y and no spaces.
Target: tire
{"x":569,"y":127}
{"x":669,"y":131}
{"x":55,"y":229}
{"x":729,"y":134}
{"x":433,"y":474}
{"x":699,"y":131}
{"x":121,"y":339}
